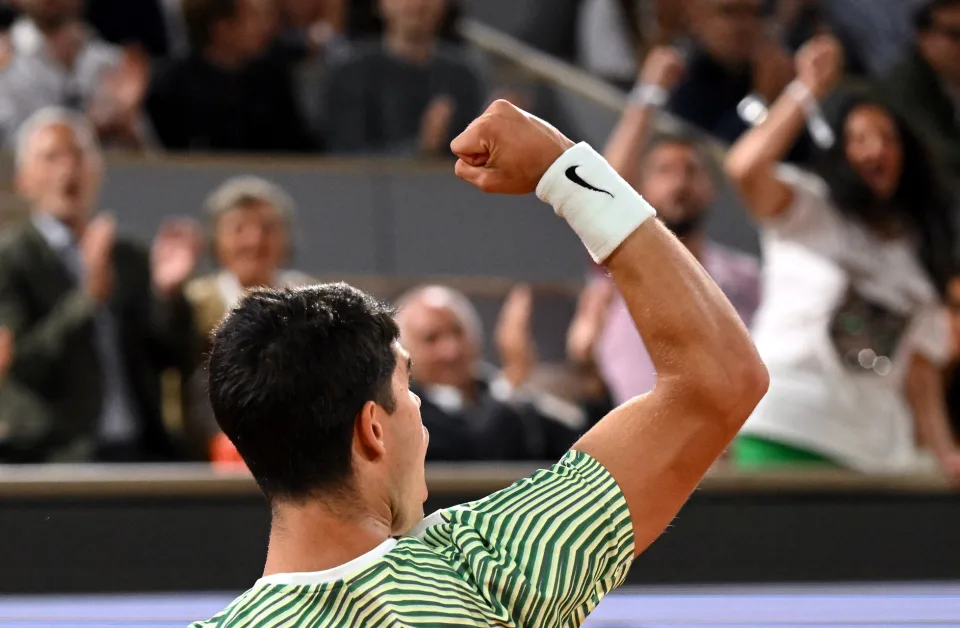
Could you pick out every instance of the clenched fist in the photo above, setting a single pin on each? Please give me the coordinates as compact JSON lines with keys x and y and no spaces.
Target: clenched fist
{"x":820,"y":64}
{"x":507,"y":150}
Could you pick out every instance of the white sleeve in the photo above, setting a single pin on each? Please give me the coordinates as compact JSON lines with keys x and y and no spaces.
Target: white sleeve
{"x":930,"y":334}
{"x":810,"y":213}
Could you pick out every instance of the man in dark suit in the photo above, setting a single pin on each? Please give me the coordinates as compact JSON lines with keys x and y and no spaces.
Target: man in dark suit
{"x":472,"y":410}
{"x":95,"y":319}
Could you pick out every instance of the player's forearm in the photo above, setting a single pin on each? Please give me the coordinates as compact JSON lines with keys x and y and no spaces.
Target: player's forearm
{"x":694,"y":336}
{"x":696,"y":340}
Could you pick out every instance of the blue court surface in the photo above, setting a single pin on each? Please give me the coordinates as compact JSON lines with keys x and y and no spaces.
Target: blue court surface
{"x":848,"y":606}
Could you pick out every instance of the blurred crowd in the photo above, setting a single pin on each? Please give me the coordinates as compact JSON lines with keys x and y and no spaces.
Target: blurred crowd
{"x":840,"y":122}
{"x":243,"y":75}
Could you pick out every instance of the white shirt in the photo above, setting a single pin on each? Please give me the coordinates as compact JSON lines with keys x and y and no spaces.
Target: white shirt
{"x":812,"y":255}
{"x":34,"y":79}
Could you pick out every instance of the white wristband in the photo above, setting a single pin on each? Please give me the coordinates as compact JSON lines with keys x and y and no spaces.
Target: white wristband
{"x":597,"y":203}
{"x":648,"y":95}
{"x":818,"y":127}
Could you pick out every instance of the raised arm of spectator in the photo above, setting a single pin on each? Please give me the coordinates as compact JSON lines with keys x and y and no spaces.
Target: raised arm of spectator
{"x":752,"y":161}
{"x":661,"y":71}
{"x":710,"y":378}
{"x":927,"y":399}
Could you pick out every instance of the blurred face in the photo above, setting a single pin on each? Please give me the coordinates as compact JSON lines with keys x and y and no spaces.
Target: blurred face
{"x":251,"y":242}
{"x":443,"y":352}
{"x":51,"y":14}
{"x":250,"y":30}
{"x":413,"y":19}
{"x":728,"y":29}
{"x":57,"y":176}
{"x":940,"y":44}
{"x":300,"y":13}
{"x":675,"y":181}
{"x":872,"y":146}
{"x":406,"y":440}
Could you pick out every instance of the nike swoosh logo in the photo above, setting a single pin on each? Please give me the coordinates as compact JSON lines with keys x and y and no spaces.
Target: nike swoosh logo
{"x":573,"y":176}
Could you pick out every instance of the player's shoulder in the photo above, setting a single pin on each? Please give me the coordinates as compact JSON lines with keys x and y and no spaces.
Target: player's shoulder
{"x":576,"y":478}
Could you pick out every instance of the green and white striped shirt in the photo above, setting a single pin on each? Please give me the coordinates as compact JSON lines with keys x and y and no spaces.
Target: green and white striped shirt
{"x":542,"y":552}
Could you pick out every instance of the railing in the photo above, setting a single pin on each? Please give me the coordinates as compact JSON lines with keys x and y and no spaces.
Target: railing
{"x":544,"y":67}
{"x":93,"y":480}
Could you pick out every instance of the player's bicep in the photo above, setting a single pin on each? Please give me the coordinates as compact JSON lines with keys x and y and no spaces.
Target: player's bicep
{"x":657,"y":447}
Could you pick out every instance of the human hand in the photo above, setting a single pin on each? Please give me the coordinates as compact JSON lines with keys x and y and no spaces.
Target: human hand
{"x":950,"y":463}
{"x":587,"y":324}
{"x":772,"y":69}
{"x":173,"y":259}
{"x":96,"y":252}
{"x":507,"y":150}
{"x":663,"y":67}
{"x":435,"y":123}
{"x":518,"y":353}
{"x":819,"y":64}
{"x":122,"y":91}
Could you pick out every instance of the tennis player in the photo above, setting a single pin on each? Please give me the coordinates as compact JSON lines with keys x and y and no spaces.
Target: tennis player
{"x":312,"y":386}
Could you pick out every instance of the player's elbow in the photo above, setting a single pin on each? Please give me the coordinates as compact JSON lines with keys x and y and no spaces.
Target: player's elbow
{"x":727,"y":386}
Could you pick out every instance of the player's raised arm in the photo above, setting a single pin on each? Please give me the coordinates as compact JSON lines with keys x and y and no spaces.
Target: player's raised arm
{"x":709,"y":376}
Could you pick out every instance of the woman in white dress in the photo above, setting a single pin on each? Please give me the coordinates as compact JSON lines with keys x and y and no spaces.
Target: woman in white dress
{"x":856,"y":259}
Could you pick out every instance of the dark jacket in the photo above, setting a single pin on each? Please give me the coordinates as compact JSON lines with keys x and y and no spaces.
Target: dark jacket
{"x":51,"y":401}
{"x":493,"y":429}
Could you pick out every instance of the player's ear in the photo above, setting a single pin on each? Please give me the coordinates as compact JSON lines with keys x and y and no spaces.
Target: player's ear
{"x":368,"y":433}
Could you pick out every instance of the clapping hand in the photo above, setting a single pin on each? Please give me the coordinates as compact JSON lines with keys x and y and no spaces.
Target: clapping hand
{"x":176,"y":250}
{"x":518,"y":353}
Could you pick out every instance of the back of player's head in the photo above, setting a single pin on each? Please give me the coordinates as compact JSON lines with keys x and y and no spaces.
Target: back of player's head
{"x":289,"y":371}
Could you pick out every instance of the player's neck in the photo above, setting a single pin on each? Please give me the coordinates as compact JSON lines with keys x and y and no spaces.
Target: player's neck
{"x":313,"y":537}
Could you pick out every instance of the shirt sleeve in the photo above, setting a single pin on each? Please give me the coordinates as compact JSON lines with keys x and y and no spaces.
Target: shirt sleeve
{"x":548,"y":548}
{"x":930,"y":334}
{"x":810,"y":214}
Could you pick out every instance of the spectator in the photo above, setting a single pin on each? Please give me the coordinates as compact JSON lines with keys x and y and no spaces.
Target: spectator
{"x":365,"y":20}
{"x":926,"y":84}
{"x":672,"y":173}
{"x":57,"y":60}
{"x":225,"y":95}
{"x":406,"y":94}
{"x":730,"y":58}
{"x":874,"y":31}
{"x":851,"y":324}
{"x":472,"y":411}
{"x":250,"y":234}
{"x":95,"y":318}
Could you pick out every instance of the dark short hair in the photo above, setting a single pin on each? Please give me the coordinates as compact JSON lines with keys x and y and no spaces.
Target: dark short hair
{"x":289,"y":371}
{"x":923,"y":13}
{"x":199,"y":16}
